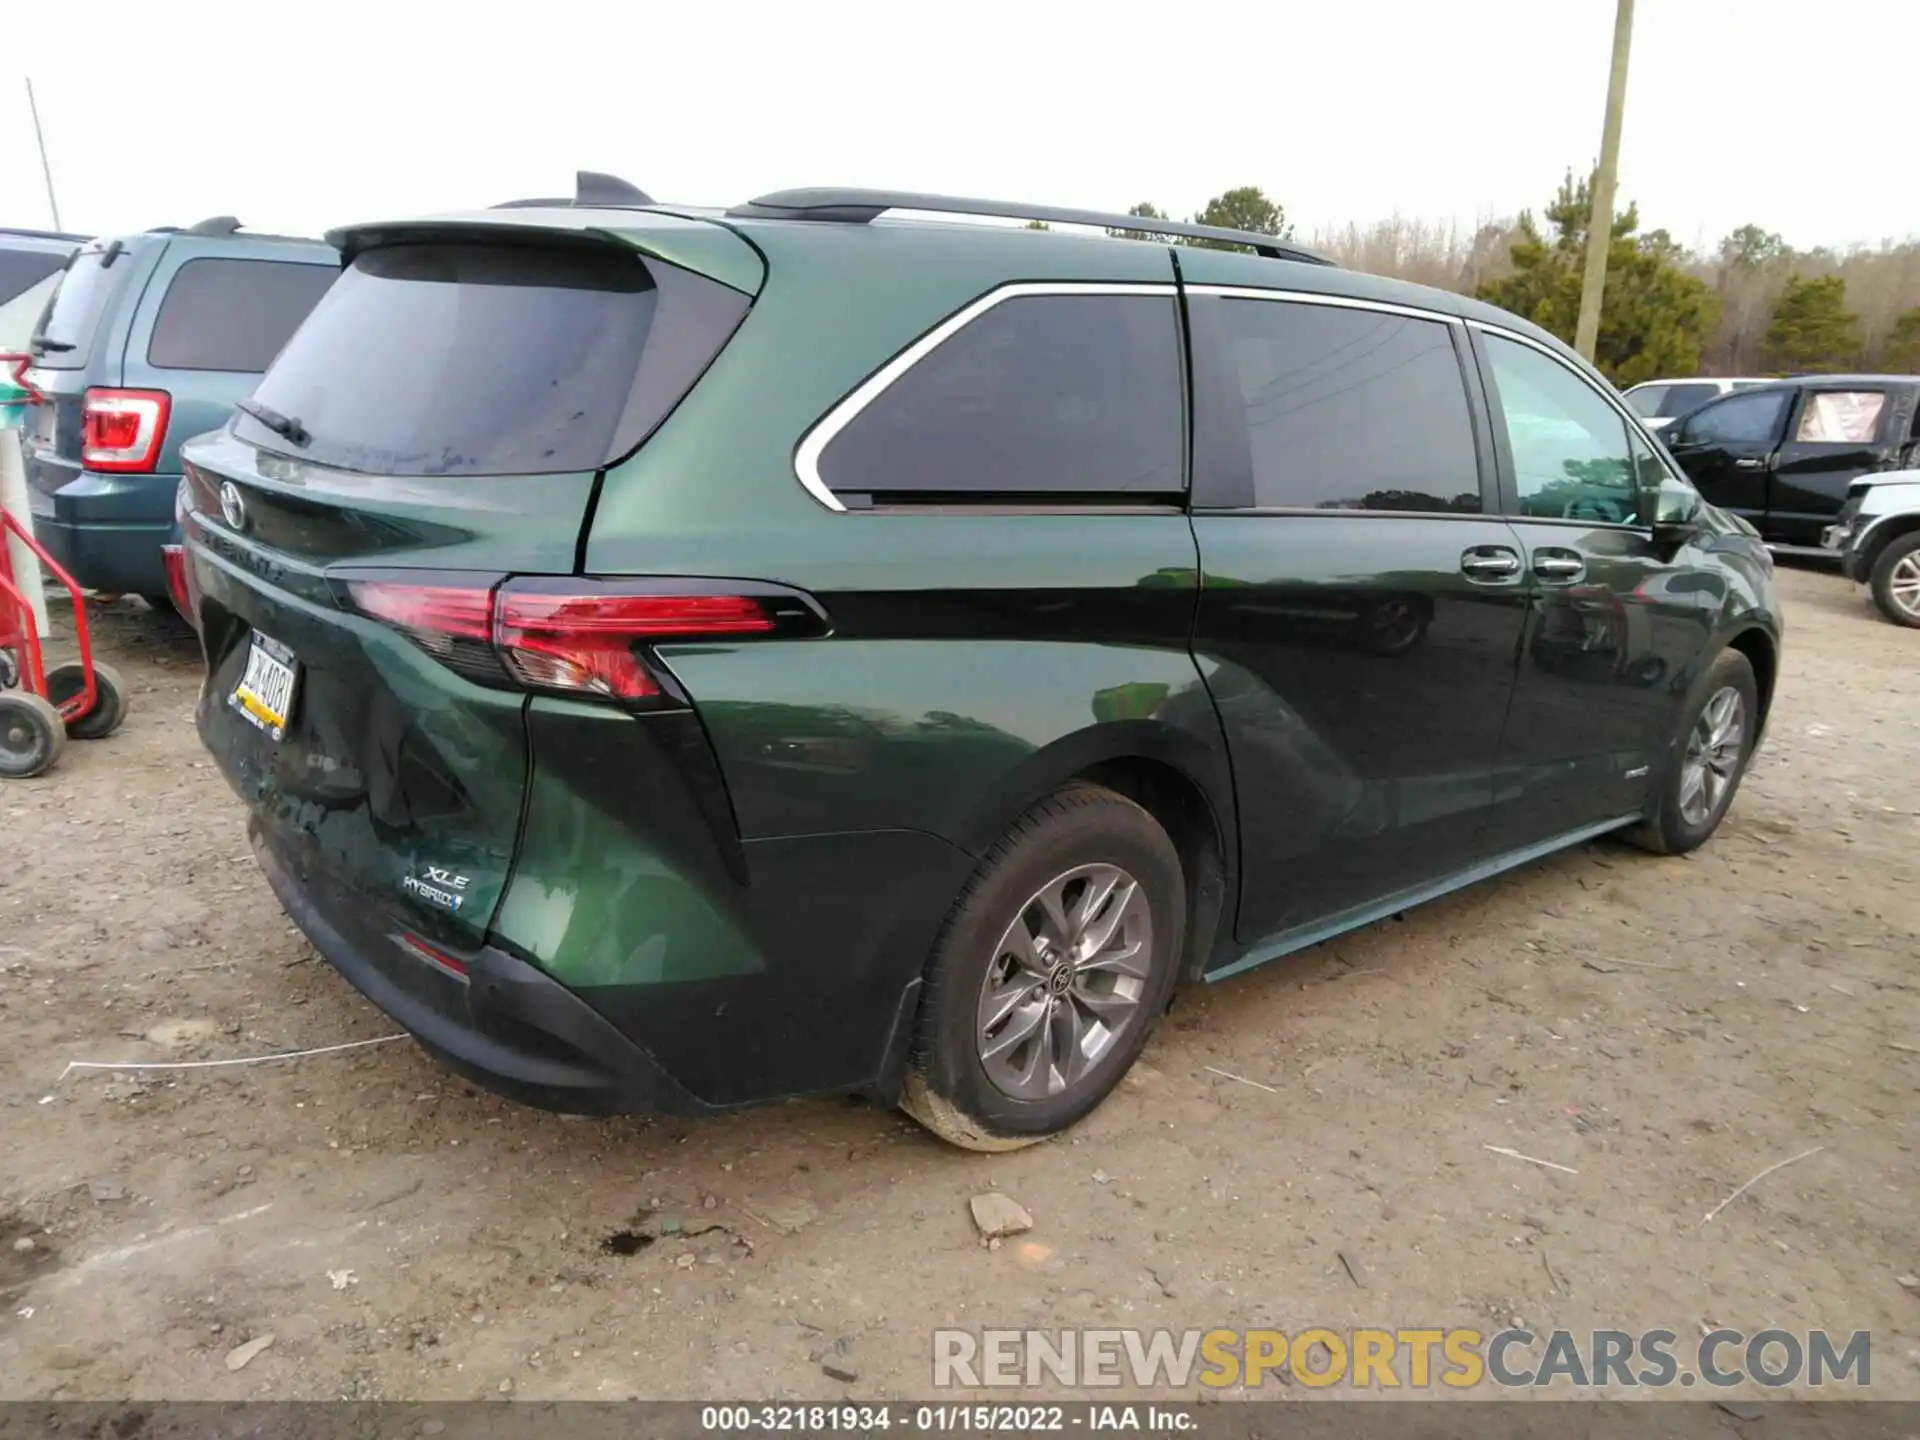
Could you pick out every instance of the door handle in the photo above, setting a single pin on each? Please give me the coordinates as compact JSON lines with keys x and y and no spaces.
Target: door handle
{"x":1490,"y":562}
{"x":1749,"y":464}
{"x":1558,"y":566}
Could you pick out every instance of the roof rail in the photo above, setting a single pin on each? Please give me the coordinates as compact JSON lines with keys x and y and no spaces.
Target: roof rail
{"x":215,"y":225}
{"x":590,"y":189}
{"x":859,"y":207}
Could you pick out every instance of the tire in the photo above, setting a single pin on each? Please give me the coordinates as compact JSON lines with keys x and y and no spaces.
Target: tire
{"x":31,"y":735}
{"x":1684,"y":817}
{"x":109,"y":698}
{"x":1065,"y":846}
{"x":1896,"y":576}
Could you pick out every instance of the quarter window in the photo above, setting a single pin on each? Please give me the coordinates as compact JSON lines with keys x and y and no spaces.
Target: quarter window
{"x":233,"y":314}
{"x":1843,"y":417}
{"x":1331,"y":407}
{"x":1571,"y":459}
{"x":1063,"y":396}
{"x":1647,"y":466}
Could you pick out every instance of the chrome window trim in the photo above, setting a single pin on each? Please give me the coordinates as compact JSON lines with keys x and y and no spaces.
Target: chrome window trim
{"x":806,"y":457}
{"x":1315,"y":297}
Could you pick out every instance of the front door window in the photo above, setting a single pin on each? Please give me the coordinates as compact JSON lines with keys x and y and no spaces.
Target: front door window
{"x":1571,"y":460}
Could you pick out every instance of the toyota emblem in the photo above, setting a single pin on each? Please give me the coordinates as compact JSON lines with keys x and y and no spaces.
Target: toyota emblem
{"x":232,"y":506}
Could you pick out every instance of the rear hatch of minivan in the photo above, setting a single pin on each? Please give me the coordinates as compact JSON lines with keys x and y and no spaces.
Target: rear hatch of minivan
{"x":384,"y":543}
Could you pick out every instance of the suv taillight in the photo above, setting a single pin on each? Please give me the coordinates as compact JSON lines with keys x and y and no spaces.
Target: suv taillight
{"x":572,"y":635}
{"x":179,"y":587}
{"x":121,"y":431}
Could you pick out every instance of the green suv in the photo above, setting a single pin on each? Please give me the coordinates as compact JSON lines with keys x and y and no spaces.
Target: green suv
{"x":675,"y":659}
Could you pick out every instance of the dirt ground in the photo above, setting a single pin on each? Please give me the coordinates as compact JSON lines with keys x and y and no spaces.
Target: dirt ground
{"x":1666,"y":1028}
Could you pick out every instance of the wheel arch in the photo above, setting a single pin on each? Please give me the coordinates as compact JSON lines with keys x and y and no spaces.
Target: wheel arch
{"x":1883,"y":534}
{"x":1180,"y":806}
{"x":1167,"y":770}
{"x":1763,"y":654}
{"x":1172,"y":773}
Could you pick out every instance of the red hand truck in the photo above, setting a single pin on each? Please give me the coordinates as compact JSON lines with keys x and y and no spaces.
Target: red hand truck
{"x":41,"y":707}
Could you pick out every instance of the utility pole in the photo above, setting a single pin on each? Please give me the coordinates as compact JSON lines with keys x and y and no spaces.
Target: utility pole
{"x":45,"y":169}
{"x":1600,"y":223}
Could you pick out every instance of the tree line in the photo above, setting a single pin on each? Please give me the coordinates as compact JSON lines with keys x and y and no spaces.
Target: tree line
{"x":1754,"y":306}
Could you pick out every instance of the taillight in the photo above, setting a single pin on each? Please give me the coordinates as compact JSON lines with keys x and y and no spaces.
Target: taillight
{"x":452,"y":612}
{"x":588,"y":642}
{"x":174,"y":557}
{"x":121,"y":431}
{"x":579,"y":637}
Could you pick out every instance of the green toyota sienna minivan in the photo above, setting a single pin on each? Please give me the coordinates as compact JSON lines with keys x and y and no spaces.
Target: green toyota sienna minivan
{"x":680,"y":658}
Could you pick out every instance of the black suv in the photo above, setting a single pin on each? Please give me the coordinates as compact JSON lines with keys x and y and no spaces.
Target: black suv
{"x":675,"y":658}
{"x":1781,"y":456}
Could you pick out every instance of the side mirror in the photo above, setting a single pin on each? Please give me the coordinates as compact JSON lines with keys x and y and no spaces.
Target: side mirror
{"x":1676,"y":512}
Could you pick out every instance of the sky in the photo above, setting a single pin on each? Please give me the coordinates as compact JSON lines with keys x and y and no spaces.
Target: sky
{"x":300,"y":117}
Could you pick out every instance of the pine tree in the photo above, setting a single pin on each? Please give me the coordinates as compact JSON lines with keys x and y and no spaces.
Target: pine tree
{"x":1654,"y":317}
{"x":1243,"y":208}
{"x":1812,"y":331}
{"x":1901,"y":354}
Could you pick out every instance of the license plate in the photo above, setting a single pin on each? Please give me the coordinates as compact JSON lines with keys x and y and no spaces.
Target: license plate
{"x":264,"y":696}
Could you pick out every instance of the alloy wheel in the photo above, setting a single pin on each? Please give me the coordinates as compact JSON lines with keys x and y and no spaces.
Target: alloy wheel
{"x":1066,"y":980}
{"x":1714,"y":748}
{"x":1903,"y":584}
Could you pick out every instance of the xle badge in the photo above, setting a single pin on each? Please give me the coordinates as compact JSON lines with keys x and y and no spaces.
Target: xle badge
{"x":445,"y":888}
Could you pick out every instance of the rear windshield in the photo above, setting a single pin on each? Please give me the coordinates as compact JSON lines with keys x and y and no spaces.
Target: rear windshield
{"x":65,"y":337}
{"x":233,"y":314}
{"x":492,"y":359}
{"x":21,"y":270}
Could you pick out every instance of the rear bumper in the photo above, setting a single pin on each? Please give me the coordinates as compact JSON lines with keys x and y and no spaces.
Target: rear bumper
{"x":106,"y":530}
{"x":115,"y":559}
{"x":507,"y":1026}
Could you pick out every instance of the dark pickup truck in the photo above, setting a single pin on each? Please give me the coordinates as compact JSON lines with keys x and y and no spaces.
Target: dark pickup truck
{"x":1781,"y":456}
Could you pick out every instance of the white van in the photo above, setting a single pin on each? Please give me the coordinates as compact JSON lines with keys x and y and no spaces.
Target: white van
{"x":1658,"y":402}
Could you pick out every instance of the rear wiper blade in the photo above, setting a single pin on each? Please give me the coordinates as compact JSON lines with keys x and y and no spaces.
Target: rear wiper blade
{"x":43,"y":346}
{"x":285,"y":426}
